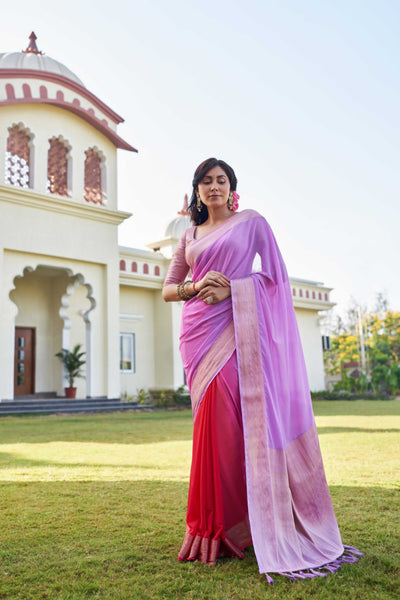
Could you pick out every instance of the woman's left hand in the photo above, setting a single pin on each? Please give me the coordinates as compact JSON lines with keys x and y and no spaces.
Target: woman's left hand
{"x":212,"y":294}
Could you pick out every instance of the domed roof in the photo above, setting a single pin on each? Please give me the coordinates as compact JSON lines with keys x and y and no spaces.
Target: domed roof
{"x":33,"y":59}
{"x":177,"y":227}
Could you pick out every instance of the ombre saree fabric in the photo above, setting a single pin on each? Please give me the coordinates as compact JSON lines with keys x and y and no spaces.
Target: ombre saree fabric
{"x":257,"y":474}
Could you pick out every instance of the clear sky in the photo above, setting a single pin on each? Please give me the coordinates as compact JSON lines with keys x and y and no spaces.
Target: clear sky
{"x":301,"y":97}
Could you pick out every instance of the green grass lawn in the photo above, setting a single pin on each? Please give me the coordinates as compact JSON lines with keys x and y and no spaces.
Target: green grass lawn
{"x":94,"y":507}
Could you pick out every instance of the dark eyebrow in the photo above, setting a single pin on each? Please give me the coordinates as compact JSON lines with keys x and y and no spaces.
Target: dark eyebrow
{"x":209,"y":176}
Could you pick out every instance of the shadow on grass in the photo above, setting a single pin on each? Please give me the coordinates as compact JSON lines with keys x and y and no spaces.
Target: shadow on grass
{"x":11,"y":460}
{"x":120,"y":540}
{"x":356,"y":408}
{"x":322,"y":430}
{"x":115,"y":428}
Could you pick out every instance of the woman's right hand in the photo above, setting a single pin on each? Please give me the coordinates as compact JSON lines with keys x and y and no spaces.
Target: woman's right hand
{"x":213,"y":278}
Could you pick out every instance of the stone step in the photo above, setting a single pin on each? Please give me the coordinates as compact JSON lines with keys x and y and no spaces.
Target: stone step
{"x":37,"y":396}
{"x":60,"y":401}
{"x":67,"y":406}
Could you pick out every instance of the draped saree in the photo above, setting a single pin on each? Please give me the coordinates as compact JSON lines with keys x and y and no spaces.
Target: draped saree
{"x":257,"y":474}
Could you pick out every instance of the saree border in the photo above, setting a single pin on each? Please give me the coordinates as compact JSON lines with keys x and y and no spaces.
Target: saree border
{"x":219,"y":353}
{"x":289,"y":534}
{"x":254,"y":413}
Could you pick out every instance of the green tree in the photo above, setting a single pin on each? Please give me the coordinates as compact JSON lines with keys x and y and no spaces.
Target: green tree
{"x":381,"y":332}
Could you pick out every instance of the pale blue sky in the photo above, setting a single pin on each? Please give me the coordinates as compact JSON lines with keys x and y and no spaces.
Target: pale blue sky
{"x":300,"y":97}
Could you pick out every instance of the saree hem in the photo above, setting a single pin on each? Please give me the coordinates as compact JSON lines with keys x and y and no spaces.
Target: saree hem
{"x":349,"y":556}
{"x":207,"y":550}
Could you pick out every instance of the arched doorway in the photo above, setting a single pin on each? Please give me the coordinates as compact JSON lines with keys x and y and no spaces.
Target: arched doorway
{"x":53,"y":312}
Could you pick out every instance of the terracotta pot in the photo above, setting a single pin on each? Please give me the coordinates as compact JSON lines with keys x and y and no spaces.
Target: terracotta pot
{"x":70,"y":392}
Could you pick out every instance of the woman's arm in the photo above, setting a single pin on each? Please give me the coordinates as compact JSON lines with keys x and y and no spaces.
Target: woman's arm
{"x":213,"y":285}
{"x":176,"y":292}
{"x":177,"y":271}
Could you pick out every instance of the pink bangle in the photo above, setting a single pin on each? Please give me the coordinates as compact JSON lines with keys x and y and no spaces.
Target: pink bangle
{"x":194,"y":287}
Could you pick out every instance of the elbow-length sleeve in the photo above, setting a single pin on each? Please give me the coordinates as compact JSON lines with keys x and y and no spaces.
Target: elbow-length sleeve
{"x":178,"y":268}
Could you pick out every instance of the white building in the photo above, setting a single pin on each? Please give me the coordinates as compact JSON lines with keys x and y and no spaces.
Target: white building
{"x":64,"y":279}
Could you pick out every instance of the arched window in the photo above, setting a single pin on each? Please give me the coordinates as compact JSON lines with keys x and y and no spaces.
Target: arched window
{"x":122,"y":265}
{"x":134,"y":267}
{"x":93,"y":177}
{"x":301,"y":293}
{"x":326,"y":297}
{"x":157,"y":271}
{"x":18,"y":157}
{"x":313,"y":295}
{"x":319,"y":296}
{"x":307,"y":294}
{"x":57,"y":167}
{"x":146,"y":269}
{"x":294,"y":291}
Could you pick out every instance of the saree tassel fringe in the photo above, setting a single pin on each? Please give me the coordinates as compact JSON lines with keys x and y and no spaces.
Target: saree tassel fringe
{"x":350,"y":555}
{"x":206,"y":551}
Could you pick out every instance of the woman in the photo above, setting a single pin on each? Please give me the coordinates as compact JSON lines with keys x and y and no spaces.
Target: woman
{"x":257,"y":474}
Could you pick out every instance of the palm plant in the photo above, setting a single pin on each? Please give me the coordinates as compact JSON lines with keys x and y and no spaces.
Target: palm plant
{"x":73,"y":362}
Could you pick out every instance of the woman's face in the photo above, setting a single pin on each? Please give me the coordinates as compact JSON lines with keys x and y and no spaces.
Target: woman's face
{"x":214,"y":188}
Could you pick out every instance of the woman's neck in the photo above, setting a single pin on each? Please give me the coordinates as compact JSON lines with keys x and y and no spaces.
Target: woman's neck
{"x":218,"y":215}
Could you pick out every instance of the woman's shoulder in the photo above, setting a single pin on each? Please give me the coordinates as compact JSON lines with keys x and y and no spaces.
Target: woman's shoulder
{"x":249,"y":213}
{"x":189,"y":232}
{"x":187,"y":236}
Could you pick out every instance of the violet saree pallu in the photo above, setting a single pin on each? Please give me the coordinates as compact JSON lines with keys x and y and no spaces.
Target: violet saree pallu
{"x":251,"y":341}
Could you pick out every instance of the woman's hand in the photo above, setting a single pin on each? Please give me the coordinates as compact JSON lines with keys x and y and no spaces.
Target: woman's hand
{"x":212,"y":278}
{"x":212,"y":294}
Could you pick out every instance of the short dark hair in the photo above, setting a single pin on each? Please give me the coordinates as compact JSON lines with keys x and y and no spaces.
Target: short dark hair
{"x":199,"y":217}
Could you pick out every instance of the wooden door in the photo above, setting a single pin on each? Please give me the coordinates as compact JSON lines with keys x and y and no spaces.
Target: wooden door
{"x":24,"y":361}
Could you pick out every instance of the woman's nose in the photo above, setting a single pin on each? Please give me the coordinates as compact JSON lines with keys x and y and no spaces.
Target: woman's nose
{"x":214,"y":185}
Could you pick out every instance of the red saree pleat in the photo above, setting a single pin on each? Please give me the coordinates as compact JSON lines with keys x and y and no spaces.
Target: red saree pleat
{"x":217,"y":491}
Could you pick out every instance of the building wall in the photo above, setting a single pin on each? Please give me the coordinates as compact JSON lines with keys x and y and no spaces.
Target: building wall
{"x":167,"y":319}
{"x":32,"y":299}
{"x":43,"y":230}
{"x":44,"y":122}
{"x":312,"y":347}
{"x":137,"y":316}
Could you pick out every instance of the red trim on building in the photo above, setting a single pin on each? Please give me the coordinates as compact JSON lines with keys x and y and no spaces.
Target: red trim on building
{"x":75,"y":108}
{"x":26,"y":90}
{"x":68,"y":83}
{"x":145,"y":269}
{"x":10,"y":91}
{"x":122,"y":265}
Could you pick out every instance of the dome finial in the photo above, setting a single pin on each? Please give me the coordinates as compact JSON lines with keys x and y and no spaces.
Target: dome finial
{"x":32,"y":48}
{"x":184,"y":210}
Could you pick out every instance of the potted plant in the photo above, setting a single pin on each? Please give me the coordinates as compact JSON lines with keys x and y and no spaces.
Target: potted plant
{"x":73,"y":362}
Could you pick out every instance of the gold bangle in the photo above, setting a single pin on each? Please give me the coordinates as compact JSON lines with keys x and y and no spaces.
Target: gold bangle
{"x":181,"y":290}
{"x":185,"y":294}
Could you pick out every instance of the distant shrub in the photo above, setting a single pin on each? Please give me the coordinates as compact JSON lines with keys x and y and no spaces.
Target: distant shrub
{"x":344,"y":395}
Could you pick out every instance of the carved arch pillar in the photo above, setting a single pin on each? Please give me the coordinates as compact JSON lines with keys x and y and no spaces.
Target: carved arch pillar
{"x":79,"y":280}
